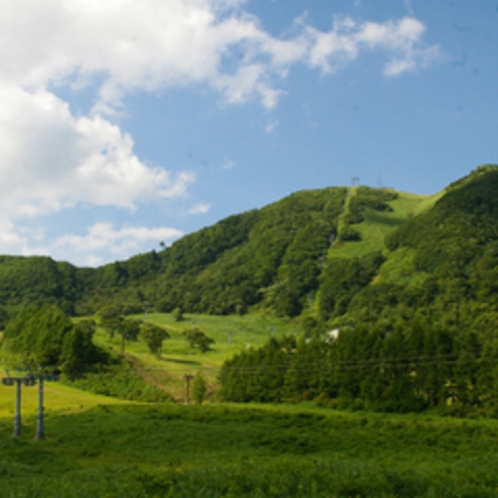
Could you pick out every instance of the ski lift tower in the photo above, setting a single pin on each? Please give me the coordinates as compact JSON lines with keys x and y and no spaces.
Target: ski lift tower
{"x":18,"y":381}
{"x":29,"y":380}
{"x":42,"y":377}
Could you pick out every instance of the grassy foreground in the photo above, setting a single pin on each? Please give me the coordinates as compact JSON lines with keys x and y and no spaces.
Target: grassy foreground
{"x":132,"y":450}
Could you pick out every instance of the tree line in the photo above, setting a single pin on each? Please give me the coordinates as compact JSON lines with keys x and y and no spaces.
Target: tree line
{"x":408,"y":368}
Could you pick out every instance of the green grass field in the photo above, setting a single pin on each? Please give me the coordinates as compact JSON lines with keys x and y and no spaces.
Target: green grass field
{"x":58,"y":399}
{"x":100,"y":446}
{"x":378,"y":224}
{"x":126,"y":450}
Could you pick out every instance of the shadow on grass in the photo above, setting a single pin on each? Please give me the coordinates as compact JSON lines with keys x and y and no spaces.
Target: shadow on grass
{"x":182,"y":362}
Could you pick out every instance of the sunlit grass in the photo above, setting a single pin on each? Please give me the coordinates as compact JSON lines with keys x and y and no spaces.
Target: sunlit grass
{"x":378,"y":224}
{"x":232,"y":334}
{"x":58,"y":398}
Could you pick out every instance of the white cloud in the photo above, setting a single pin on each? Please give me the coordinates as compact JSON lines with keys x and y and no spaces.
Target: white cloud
{"x":16,"y":239}
{"x":200,"y":208}
{"x":102,"y":239}
{"x":401,"y":40}
{"x":409,"y":6}
{"x":146,"y":44}
{"x":10,"y":240}
{"x":50,"y":159}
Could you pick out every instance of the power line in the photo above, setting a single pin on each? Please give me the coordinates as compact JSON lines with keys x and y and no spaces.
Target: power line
{"x":411,"y":362}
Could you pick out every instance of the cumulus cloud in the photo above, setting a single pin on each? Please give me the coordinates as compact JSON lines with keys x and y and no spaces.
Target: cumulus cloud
{"x":10,"y":240}
{"x":52,"y":159}
{"x":104,"y":242}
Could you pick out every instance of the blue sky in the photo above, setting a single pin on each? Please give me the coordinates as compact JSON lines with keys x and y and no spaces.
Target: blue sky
{"x":130,"y":122}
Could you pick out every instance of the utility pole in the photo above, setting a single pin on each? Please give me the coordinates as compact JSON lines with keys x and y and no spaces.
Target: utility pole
{"x":188,"y":378}
{"x":17,"y":417}
{"x":40,"y":423}
{"x":40,"y":434}
{"x":123,"y":340}
{"x":27,"y":380}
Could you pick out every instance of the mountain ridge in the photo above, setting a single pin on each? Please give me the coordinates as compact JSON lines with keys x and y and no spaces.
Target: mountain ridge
{"x":280,"y":258}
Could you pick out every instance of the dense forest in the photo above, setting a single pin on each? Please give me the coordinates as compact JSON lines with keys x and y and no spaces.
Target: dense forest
{"x":408,"y":369}
{"x":229,"y":267}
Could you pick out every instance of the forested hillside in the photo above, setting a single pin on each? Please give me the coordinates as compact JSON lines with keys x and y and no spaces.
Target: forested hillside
{"x":338,"y":255}
{"x":225,"y":268}
{"x":410,"y":328}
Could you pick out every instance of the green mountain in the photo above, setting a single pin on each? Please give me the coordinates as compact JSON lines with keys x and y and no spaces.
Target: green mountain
{"x":338,"y":254}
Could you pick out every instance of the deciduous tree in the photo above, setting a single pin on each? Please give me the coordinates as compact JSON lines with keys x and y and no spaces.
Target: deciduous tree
{"x":154,"y":337}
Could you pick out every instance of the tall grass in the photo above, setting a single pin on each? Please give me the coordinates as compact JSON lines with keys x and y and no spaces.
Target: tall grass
{"x":229,"y":450}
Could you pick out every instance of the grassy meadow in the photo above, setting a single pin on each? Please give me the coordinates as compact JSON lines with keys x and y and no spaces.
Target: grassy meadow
{"x":132,"y":450}
{"x":101,"y":446}
{"x":231,"y":334}
{"x":59,"y":399}
{"x":378,"y":224}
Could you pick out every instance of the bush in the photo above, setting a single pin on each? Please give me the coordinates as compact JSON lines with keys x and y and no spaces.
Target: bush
{"x":120,"y":380}
{"x":348,"y":233}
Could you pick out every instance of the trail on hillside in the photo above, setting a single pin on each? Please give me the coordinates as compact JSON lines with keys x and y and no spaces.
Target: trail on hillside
{"x":345,"y":212}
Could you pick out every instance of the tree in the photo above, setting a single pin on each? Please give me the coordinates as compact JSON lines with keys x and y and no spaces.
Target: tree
{"x":110,"y":311}
{"x":129,"y":332}
{"x":38,"y":332}
{"x":154,"y":337}
{"x":4,"y":317}
{"x":112,"y":325}
{"x":45,"y":336}
{"x":78,"y":349}
{"x":199,"y":389}
{"x":128,"y":329}
{"x":198,"y":339}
